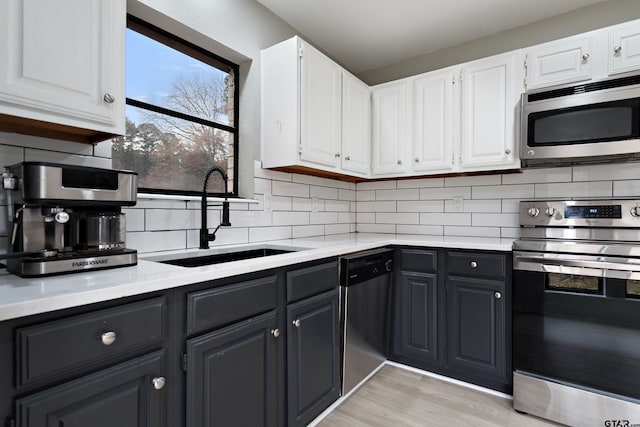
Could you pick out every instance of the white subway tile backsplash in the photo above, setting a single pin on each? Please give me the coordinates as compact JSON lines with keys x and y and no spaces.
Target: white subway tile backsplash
{"x":538,"y":175}
{"x":228,"y":236}
{"x":269,"y":174}
{"x":376,"y":228}
{"x":250,"y":219}
{"x":448,"y":219}
{"x":336,"y":228}
{"x":510,"y":233}
{"x":472,"y":231}
{"x":389,"y":206}
{"x":474,"y":206}
{"x":445,"y":193}
{"x":421,"y":183}
{"x":311,"y":180}
{"x":349,"y":195}
{"x":298,"y":231}
{"x":347,"y":217}
{"x":290,"y":218}
{"x":432,"y":230}
{"x":574,"y":190}
{"x":510,"y":205}
{"x":134,"y":219}
{"x":281,"y":203}
{"x":467,"y":181}
{"x":102,"y":149}
{"x":607,"y":171}
{"x":293,"y":189}
{"x":397,"y":218}
{"x":365,"y":217}
{"x":505,"y":191}
{"x":365,"y":196}
{"x":626,"y":188}
{"x":376,"y":185}
{"x":172,"y":219}
{"x":405,"y":194}
{"x":302,"y":204}
{"x":337,"y":206}
{"x":495,"y":220}
{"x":420,"y":206}
{"x":323,"y":218}
{"x":323,"y":192}
{"x":45,"y":144}
{"x":261,"y":234}
{"x":152,"y":241}
{"x":262,"y":186}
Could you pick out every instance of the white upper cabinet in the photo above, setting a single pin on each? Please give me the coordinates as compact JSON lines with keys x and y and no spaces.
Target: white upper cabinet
{"x":433,"y":140}
{"x":314,"y":114}
{"x":490,"y":92}
{"x":594,"y":55}
{"x":321,"y":111}
{"x":624,"y":48}
{"x":356,"y":125}
{"x":390,"y":135}
{"x":63,"y":64}
{"x":564,"y":61}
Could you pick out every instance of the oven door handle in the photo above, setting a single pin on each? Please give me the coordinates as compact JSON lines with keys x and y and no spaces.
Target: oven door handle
{"x":576,"y":267}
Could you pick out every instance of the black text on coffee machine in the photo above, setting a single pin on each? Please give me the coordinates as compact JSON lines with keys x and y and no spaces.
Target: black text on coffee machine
{"x":66,"y":219}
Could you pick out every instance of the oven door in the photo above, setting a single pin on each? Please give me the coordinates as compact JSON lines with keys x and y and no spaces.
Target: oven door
{"x":577,"y":325}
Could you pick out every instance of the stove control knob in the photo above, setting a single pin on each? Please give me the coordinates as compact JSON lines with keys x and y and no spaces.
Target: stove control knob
{"x":635,"y":211}
{"x":550,"y":211}
{"x":533,"y":212}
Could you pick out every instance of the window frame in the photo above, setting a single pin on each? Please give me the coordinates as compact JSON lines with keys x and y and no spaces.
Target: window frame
{"x":174,"y":42}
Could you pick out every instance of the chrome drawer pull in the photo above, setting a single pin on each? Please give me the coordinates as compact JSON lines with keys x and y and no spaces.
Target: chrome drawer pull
{"x":108,"y":338}
{"x":473,"y":264}
{"x":275,"y":332}
{"x":498,"y":295}
{"x":296,"y":323}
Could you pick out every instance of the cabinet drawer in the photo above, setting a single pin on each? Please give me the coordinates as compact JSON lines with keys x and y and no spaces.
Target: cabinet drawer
{"x":220,"y":306}
{"x":313,"y":280}
{"x":53,"y":348}
{"x":477,"y":264}
{"x":419,"y":259}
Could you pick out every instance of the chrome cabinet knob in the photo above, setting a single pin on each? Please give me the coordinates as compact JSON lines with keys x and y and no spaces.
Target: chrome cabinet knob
{"x":275,"y":332}
{"x":617,"y":50}
{"x":158,"y":382}
{"x":497,"y":295}
{"x":473,"y":264}
{"x":586,"y":57}
{"x":108,"y":98}
{"x":296,"y":323}
{"x":399,"y":162}
{"x":533,"y":212}
{"x":347,"y":158}
{"x":507,"y":151}
{"x":337,"y":155}
{"x":417,"y":160}
{"x":108,"y":338}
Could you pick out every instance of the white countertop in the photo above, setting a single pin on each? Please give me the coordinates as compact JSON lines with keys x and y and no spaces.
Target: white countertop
{"x":23,"y":297}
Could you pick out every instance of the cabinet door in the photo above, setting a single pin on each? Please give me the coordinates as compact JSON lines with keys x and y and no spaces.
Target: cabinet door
{"x":624,"y":45}
{"x":433,"y":138}
{"x":313,"y":355}
{"x":321,"y":114}
{"x":232,"y":375}
{"x":564,"y":61}
{"x":476,"y":323}
{"x":491,"y":90}
{"x":126,"y":395}
{"x":64,"y":67}
{"x":418,"y":295}
{"x":390,"y":124}
{"x":356,"y":125}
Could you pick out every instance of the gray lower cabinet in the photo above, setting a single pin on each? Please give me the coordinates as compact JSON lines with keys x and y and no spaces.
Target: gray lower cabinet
{"x":123,"y":395}
{"x":232,"y":375}
{"x":313,"y":364}
{"x":451,"y":314}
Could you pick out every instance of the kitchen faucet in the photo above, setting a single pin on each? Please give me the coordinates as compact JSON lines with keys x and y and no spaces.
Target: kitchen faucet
{"x":205,"y":236}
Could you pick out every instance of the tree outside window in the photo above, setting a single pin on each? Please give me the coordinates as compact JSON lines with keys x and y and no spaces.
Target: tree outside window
{"x":181,"y":114}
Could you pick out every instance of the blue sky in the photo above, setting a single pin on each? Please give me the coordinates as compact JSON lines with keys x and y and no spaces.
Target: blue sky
{"x":151,"y":69}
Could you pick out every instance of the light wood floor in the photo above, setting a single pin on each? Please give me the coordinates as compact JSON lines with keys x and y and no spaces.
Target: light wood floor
{"x":399,"y":397}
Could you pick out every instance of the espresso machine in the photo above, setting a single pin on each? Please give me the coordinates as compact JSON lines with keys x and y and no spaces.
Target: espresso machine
{"x":65,"y":218}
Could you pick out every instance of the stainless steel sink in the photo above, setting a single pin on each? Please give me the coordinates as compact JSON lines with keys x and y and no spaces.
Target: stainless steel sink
{"x":198,"y":259}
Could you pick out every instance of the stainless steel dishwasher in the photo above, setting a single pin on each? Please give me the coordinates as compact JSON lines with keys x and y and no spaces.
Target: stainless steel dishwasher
{"x":364,"y":304}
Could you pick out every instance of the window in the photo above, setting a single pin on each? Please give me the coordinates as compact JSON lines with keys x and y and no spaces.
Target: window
{"x":182,"y":114}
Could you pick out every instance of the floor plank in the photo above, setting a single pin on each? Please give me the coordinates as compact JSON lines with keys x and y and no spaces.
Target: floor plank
{"x":400,"y":397}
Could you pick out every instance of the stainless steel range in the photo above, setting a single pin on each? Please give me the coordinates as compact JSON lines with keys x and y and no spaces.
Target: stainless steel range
{"x":576,"y":311}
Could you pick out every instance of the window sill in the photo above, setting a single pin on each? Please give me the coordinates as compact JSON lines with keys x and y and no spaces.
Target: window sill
{"x":148,"y":196}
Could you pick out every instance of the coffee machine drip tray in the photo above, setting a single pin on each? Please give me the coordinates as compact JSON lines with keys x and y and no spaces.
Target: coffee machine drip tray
{"x":63,"y":263}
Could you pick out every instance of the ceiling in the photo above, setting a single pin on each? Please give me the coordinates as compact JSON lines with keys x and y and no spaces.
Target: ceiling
{"x":367,"y":34}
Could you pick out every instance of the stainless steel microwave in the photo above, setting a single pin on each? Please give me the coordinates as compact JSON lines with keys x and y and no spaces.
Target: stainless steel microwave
{"x":590,"y":122}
